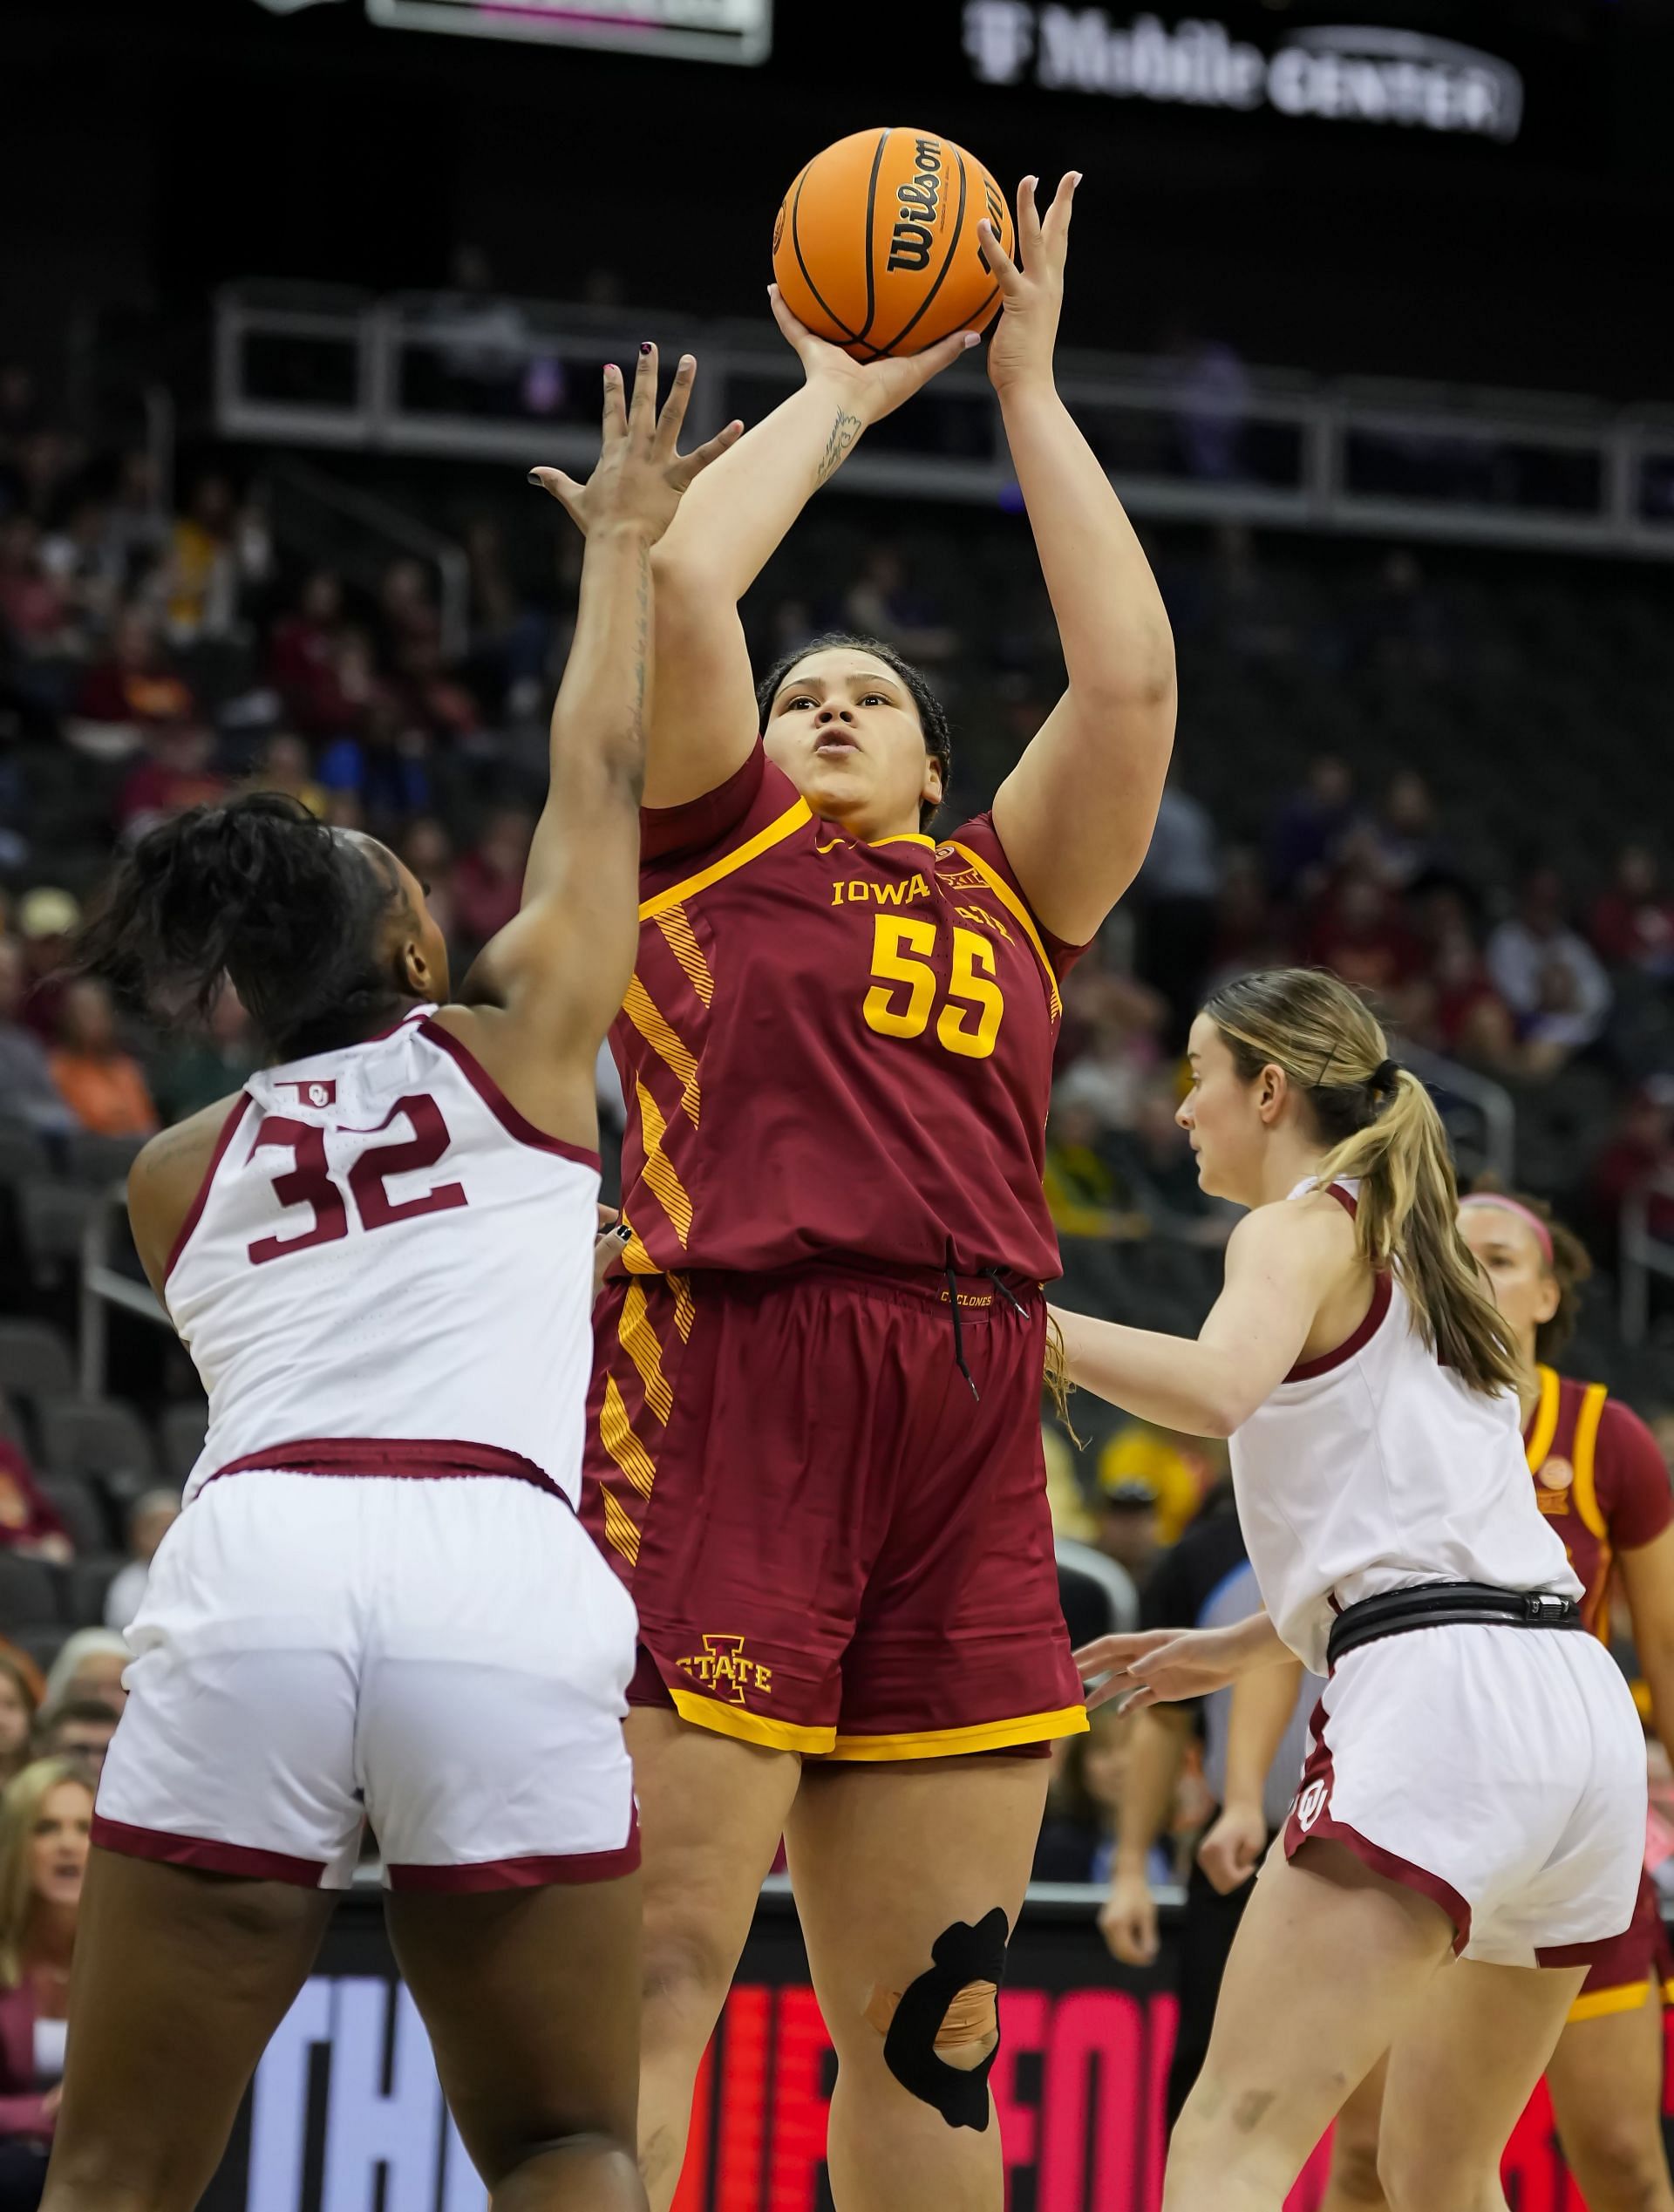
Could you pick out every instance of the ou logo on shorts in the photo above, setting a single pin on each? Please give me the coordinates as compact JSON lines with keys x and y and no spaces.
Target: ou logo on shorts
{"x":1310,"y":1805}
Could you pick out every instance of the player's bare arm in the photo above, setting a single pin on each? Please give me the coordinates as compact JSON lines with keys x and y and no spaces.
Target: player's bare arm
{"x":1076,"y":813}
{"x":164,"y":1180}
{"x":1282,"y":1264}
{"x":727,"y":530}
{"x":542,"y":993}
{"x":1647,"y":1573}
{"x":1158,"y":1666}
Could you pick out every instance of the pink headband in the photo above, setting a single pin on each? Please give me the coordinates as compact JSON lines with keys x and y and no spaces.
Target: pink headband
{"x":1523,"y":1213}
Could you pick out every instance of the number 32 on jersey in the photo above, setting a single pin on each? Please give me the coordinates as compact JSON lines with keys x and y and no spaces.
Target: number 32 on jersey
{"x":902,"y":996}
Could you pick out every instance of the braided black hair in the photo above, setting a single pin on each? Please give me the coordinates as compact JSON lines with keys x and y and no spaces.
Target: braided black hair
{"x":932,"y":715}
{"x":259,"y":891}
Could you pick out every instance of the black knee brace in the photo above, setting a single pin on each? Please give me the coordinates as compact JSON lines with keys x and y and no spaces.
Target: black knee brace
{"x":963,"y":1955}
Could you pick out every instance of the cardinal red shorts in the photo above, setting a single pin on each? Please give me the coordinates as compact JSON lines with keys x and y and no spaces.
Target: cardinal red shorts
{"x":838,"y":1544}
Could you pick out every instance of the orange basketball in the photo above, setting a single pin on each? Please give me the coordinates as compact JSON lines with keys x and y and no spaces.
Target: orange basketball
{"x":876,"y":245}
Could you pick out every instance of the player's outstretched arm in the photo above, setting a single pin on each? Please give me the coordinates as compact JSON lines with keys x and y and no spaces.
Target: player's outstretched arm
{"x":544,"y":991}
{"x":1075,"y":815}
{"x":726,"y":532}
{"x":1209,"y":1385}
{"x":1262,"y":1702}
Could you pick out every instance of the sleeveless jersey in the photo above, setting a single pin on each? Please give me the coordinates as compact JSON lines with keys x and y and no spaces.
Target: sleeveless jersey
{"x":1600,"y":1480}
{"x":386,"y":1263}
{"x":1373,"y":1468}
{"x":832,"y":1048}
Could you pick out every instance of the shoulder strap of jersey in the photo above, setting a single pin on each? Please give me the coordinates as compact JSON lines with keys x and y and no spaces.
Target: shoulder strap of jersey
{"x":1539,"y":1440}
{"x":1584,"y":1457}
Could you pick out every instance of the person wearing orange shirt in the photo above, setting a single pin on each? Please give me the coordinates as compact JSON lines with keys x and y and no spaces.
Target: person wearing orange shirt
{"x":103,"y":1086}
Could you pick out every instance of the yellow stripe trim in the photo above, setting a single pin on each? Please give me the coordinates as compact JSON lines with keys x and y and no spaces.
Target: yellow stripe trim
{"x":653,"y":1025}
{"x":775,"y":833}
{"x":749,"y":1727}
{"x":1585,"y":1492}
{"x":620,"y":1530}
{"x":616,"y":1434}
{"x":681,"y":941}
{"x":984,"y":1735}
{"x":1597,"y":2004}
{"x":638,"y":1340}
{"x":660,"y":1176}
{"x":907,"y":837}
{"x":1009,"y":898}
{"x":1546,"y":1421}
{"x":684,"y":1312}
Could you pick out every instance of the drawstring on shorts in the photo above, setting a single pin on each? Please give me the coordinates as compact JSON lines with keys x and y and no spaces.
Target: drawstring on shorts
{"x":996,"y":1277}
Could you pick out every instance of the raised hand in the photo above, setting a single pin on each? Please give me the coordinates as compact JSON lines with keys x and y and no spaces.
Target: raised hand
{"x":875,"y":388}
{"x":641,"y":475}
{"x":1021,"y":350}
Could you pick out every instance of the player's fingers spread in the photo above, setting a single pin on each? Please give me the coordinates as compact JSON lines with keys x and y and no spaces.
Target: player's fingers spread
{"x":1028,"y":218}
{"x":616,"y":404}
{"x":641,"y":413}
{"x":674,"y":407}
{"x":570,"y":495}
{"x":1005,"y":270}
{"x":688,"y":467}
{"x":1056,"y":227}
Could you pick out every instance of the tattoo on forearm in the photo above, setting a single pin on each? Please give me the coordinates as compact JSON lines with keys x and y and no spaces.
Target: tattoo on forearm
{"x":844,"y":432}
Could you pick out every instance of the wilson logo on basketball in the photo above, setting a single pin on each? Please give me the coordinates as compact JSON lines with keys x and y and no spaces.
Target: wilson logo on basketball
{"x":1310,"y":1805}
{"x":918,"y":209}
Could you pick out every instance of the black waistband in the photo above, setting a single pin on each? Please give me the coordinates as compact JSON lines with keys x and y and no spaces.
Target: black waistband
{"x":1434,"y":1606}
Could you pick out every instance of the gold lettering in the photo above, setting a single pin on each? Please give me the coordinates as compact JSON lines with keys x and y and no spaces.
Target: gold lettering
{"x":836,"y":894}
{"x":859,"y":891}
{"x":919,"y":888}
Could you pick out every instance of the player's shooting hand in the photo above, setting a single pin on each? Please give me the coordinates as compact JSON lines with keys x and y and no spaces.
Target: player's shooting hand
{"x":871,"y":390}
{"x":608,"y":1247}
{"x":1153,"y":1667}
{"x":1232,"y":1846}
{"x":1127,"y":1920}
{"x":641,"y":475}
{"x":1032,"y":288}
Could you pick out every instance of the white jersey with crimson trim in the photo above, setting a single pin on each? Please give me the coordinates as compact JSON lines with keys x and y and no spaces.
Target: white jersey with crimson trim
{"x":1373,"y":1468}
{"x":384,"y":1251}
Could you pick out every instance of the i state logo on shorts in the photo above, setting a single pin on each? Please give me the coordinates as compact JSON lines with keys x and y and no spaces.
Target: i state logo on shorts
{"x":1310,"y":1804}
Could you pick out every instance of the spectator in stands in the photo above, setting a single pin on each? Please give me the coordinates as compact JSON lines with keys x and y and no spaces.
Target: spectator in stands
{"x":28,"y":1526}
{"x":45,"y":1820}
{"x":215,"y":551}
{"x":16,"y":1719}
{"x":286,"y":765}
{"x":79,"y":1729}
{"x":1176,"y":1472}
{"x":1310,"y":828}
{"x":1174,"y":894}
{"x":135,"y":684}
{"x":1129,"y":1527}
{"x":1122,"y":1052}
{"x":303,"y":656}
{"x":887,"y":601}
{"x":177,"y":770}
{"x":1161,"y":1170}
{"x":1546,"y":972}
{"x":78,"y":558}
{"x":1632,"y":923}
{"x":1640,"y":1152}
{"x":34,"y":607}
{"x":194,"y":1067}
{"x":1249,"y":930}
{"x":427,"y":849}
{"x":488,"y":882}
{"x":90,"y":1665}
{"x":136,"y":526}
{"x":1402,"y":839}
{"x":1360,"y":933}
{"x":27,"y":1091}
{"x":382,"y":769}
{"x":103,"y":1084}
{"x":151,"y":1516}
{"x":47,"y":918}
{"x":1084,"y":1805}
{"x":1087,"y":1198}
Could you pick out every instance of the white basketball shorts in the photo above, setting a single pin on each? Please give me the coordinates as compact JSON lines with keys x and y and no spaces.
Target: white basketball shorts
{"x":445,"y":1657}
{"x":1499,"y":1771}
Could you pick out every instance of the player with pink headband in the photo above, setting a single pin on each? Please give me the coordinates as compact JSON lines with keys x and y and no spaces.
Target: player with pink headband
{"x":1601,"y":1484}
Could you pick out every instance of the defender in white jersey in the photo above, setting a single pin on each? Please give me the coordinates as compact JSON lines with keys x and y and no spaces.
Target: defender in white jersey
{"x":379,"y":1602}
{"x":1470,"y":1826}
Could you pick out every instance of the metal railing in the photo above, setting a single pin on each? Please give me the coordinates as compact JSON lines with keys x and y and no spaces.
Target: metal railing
{"x":1642,"y":1254}
{"x":515,"y":380}
{"x":1480,"y":1114}
{"x":104,"y":1285}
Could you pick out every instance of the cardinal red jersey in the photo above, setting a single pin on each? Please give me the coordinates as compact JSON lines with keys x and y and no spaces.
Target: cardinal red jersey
{"x":830,"y":1047}
{"x":1599,"y":1479}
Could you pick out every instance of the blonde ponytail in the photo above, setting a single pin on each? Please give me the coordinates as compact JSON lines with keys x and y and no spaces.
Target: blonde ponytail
{"x":1384,"y":1132}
